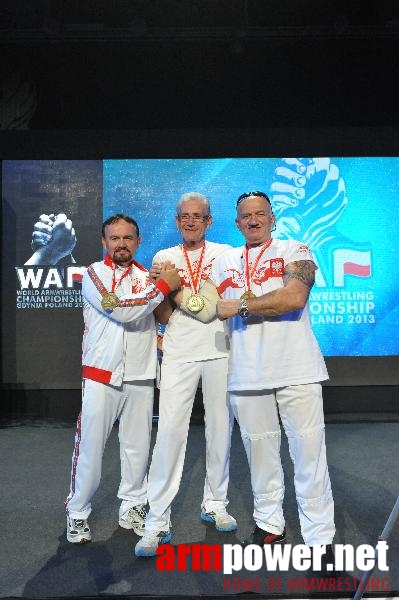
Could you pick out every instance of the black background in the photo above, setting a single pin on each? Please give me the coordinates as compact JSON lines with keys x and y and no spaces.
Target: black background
{"x":203,"y":63}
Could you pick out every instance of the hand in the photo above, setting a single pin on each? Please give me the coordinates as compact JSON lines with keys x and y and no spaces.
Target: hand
{"x":308,"y":197}
{"x":156,"y":268}
{"x":167,"y":265}
{"x":227,"y":308}
{"x":42,"y":231}
{"x":53,"y":239}
{"x":154,"y":271}
{"x":171,"y":275}
{"x":63,"y":239}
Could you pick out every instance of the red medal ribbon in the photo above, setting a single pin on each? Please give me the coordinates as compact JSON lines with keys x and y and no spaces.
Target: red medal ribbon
{"x":110,"y":263}
{"x":115,"y":283}
{"x":195,"y":278}
{"x":249,"y":274}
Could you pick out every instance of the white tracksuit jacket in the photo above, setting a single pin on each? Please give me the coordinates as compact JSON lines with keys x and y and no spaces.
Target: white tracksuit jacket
{"x":120,"y":345}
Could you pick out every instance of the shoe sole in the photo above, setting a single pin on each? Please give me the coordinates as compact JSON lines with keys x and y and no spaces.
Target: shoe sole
{"x":148,"y":553}
{"x":78,"y":540}
{"x":210,"y":521}
{"x":138,"y":530}
{"x":247,"y":543}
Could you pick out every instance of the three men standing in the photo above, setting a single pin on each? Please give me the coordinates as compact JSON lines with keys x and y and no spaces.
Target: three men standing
{"x":274,"y":370}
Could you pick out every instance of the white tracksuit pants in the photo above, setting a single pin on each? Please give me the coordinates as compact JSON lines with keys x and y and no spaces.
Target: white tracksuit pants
{"x":301,"y":411}
{"x":132,"y":404}
{"x":179,"y":383}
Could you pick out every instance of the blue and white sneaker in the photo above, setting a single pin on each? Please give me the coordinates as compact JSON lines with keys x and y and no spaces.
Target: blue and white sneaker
{"x":150,"y":541}
{"x":134,"y":518}
{"x":78,"y":531}
{"x":220,"y":519}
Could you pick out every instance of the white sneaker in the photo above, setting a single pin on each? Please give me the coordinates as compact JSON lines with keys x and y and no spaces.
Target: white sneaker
{"x":150,"y":541}
{"x":220,"y":519}
{"x":78,"y":531}
{"x":134,"y":518}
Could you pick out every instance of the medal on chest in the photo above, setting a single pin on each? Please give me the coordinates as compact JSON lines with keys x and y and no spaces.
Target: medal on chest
{"x":110,"y":300}
{"x":195,"y":302}
{"x":249,"y":273}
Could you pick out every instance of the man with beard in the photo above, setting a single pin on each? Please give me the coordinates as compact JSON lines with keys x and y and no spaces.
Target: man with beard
{"x":119,"y":367}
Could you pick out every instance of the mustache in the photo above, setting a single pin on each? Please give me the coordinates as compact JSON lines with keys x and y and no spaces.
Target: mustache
{"x":119,"y":250}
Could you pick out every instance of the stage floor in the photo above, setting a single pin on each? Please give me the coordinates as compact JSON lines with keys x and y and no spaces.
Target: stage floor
{"x":37,"y":562}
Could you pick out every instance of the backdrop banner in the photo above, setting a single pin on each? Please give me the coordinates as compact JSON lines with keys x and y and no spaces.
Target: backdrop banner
{"x":344,"y":208}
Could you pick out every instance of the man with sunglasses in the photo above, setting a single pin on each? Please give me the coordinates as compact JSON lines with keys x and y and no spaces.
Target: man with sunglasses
{"x":192,"y":351}
{"x":275,"y":372}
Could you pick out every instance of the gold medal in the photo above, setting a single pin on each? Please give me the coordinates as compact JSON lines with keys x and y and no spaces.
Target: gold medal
{"x":110,"y":301}
{"x":249,"y":273}
{"x":247,"y":295}
{"x":195,"y":303}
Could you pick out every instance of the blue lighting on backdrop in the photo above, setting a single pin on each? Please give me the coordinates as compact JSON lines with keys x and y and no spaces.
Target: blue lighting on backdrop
{"x":344,"y":209}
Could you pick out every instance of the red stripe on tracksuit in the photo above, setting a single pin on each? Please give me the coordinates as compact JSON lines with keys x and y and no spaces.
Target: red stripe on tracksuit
{"x":75,"y":459}
{"x":96,"y":374}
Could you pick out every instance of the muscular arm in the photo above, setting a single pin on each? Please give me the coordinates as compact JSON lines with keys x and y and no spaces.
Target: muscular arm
{"x":298,"y":280}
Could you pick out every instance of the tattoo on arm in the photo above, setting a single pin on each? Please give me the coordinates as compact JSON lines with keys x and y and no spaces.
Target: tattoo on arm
{"x":303,"y":270}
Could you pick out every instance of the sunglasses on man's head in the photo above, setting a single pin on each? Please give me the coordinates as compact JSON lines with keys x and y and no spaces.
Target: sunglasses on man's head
{"x":248,"y":194}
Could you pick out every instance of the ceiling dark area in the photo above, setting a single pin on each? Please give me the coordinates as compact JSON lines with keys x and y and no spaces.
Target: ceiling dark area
{"x":209,"y":19}
{"x":212,"y":63}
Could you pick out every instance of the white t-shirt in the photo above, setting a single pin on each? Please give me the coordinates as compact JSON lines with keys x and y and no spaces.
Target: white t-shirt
{"x":268,"y":352}
{"x":186,"y":339}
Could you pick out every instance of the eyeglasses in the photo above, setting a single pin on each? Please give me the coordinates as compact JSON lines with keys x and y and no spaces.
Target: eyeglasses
{"x":248,"y":194}
{"x":184,"y":218}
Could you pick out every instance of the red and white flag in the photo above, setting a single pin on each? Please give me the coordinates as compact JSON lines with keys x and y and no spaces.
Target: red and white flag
{"x":351,"y":262}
